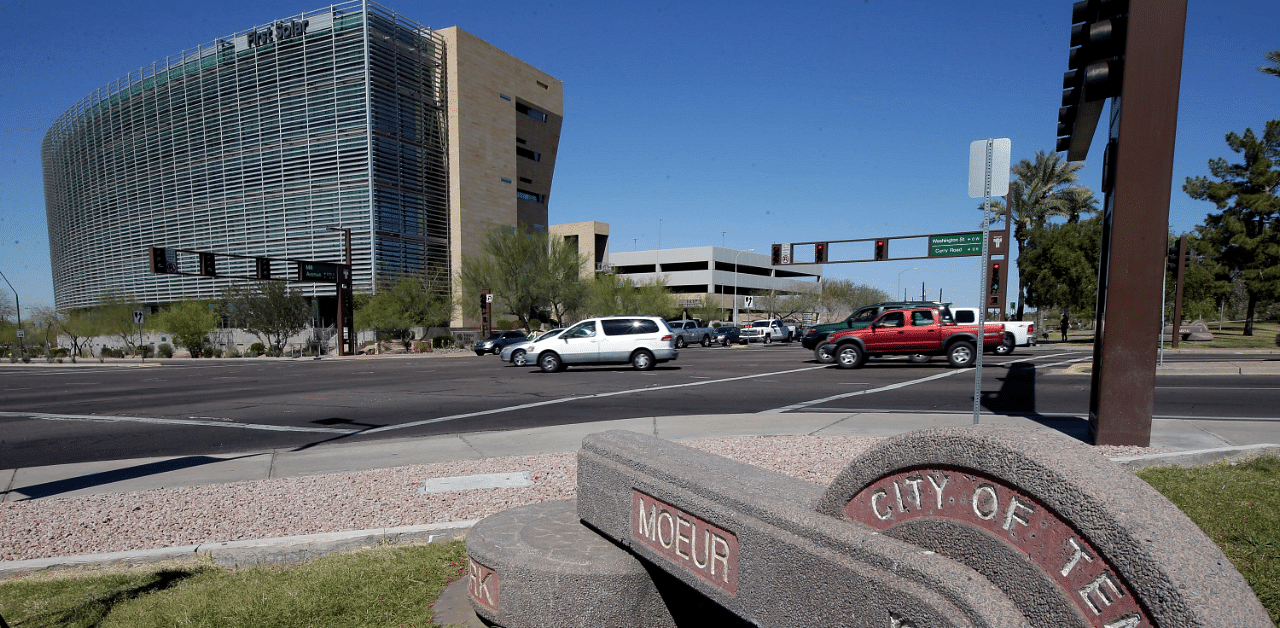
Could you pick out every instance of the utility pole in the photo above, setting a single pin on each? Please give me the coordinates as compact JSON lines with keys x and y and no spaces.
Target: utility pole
{"x":17,"y":305}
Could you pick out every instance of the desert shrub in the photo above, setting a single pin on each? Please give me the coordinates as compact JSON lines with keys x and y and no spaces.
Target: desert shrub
{"x":165,"y":350}
{"x":257,"y":349}
{"x":442,"y":341}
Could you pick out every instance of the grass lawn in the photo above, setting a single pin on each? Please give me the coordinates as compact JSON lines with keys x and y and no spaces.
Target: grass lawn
{"x":1238,"y":506}
{"x":1231,"y":337}
{"x":390,"y":586}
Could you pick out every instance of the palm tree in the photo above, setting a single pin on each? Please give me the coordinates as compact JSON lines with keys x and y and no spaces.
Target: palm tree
{"x":1274,"y":68}
{"x":1075,"y":200}
{"x":1036,"y":193}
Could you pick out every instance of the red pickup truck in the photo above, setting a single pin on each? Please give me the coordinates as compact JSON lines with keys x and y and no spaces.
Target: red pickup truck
{"x":913,"y":331}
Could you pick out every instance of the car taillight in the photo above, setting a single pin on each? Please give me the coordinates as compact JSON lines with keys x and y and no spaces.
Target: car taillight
{"x":668,"y":337}
{"x":1031,"y":329}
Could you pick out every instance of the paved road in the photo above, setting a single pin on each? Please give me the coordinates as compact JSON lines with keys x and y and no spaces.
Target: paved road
{"x":51,"y":415}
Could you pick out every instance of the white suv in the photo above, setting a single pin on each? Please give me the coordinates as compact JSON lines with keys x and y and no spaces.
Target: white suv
{"x":640,"y":341}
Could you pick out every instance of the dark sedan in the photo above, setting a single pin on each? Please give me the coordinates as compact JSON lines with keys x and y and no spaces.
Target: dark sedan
{"x":497,"y":340}
{"x":727,"y":335}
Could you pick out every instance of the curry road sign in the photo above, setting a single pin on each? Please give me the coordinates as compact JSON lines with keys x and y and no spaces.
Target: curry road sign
{"x":955,"y":244}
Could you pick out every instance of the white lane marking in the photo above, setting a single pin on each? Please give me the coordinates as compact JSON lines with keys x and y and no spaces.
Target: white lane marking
{"x":550,"y":402}
{"x":806,"y":404}
{"x":1195,"y":388}
{"x":134,"y":419}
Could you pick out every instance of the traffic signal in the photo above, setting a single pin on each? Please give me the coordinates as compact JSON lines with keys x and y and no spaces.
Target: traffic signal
{"x":1095,"y":71}
{"x":882,"y":250}
{"x":820,"y":253}
{"x":995,"y":278}
{"x":1171,"y":261}
{"x":776,"y":257}
{"x":157,"y":256}
{"x":263,"y":266}
{"x":208,"y":266}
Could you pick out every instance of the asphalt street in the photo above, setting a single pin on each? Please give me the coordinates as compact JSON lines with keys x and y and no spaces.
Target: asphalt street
{"x":62,"y":414}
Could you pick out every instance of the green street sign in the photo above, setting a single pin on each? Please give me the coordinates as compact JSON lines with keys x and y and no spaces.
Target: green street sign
{"x":955,"y":245}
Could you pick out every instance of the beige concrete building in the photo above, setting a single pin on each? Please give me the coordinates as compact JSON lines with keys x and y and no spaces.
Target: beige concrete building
{"x":589,"y":239}
{"x":504,"y":119}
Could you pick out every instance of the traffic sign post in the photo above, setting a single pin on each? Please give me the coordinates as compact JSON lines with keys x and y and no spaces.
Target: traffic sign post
{"x":140,"y":317}
{"x":988,"y":176}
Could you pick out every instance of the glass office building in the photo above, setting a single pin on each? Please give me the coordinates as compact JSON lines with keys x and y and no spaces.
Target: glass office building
{"x":257,"y":144}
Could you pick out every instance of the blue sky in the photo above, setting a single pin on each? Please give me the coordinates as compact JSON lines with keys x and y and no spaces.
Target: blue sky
{"x":770,"y":121}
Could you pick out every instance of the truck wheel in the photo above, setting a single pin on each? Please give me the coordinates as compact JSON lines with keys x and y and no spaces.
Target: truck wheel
{"x":550,"y":362}
{"x":821,"y":356}
{"x":849,"y":356}
{"x":1006,"y":347}
{"x":706,"y":340}
{"x":961,"y":354}
{"x":768,"y":339}
{"x":680,"y":343}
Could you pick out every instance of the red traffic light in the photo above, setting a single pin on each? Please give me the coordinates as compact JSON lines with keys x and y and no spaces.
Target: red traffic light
{"x":882,"y":250}
{"x":820,"y":253}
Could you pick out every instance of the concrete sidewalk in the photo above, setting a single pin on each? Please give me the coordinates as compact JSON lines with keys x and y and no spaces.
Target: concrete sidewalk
{"x":71,"y":480}
{"x":1198,"y":441}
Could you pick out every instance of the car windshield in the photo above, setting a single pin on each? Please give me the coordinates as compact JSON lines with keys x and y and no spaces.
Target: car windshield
{"x":551,"y":334}
{"x":494,"y":336}
{"x":725,"y":330}
{"x":760,"y":324}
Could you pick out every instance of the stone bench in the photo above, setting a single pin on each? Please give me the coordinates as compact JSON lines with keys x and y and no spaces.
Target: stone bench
{"x":973,"y":526}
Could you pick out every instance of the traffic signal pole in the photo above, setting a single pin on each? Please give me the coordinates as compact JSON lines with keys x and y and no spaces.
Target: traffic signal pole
{"x":1176,"y":333}
{"x":1137,"y":174}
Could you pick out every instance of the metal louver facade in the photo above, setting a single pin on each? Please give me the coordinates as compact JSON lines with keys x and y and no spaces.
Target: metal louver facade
{"x":254,"y":145}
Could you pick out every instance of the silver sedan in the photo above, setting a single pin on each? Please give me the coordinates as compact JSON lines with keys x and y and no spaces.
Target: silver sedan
{"x":515,"y":354}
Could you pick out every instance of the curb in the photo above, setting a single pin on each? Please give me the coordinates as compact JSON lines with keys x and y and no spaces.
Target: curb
{"x":302,"y":548}
{"x":270,"y":551}
{"x":1198,"y":457}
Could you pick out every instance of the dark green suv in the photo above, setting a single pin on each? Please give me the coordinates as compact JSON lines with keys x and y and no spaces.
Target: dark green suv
{"x":816,"y":336}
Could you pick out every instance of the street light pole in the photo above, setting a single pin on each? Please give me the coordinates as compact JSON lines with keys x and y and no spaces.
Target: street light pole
{"x":735,"y":285}
{"x":899,"y":289}
{"x":17,"y":305}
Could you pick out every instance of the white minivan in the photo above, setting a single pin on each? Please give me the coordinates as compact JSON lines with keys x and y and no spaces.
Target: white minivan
{"x":641,"y":341}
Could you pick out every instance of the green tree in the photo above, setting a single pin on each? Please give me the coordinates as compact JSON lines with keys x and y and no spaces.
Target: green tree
{"x":77,"y":325}
{"x":1059,"y":266}
{"x":510,"y":267}
{"x":189,"y":322}
{"x":785,"y":305}
{"x":1205,"y":283}
{"x":268,"y":310}
{"x":1244,"y":235}
{"x":1041,"y":188}
{"x":418,"y":301}
{"x":707,"y":309}
{"x":526,"y":273}
{"x":839,"y":297}
{"x":562,"y":285}
{"x":608,"y":294}
{"x":114,"y":316}
{"x":1274,"y":69}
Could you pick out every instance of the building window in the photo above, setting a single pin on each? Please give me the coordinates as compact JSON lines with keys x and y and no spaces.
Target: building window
{"x":520,"y":140}
{"x":505,"y":97}
{"x":531,"y":112}
{"x":529,"y":196}
{"x":528,"y":154}
{"x":526,"y":180}
{"x":506,"y":180}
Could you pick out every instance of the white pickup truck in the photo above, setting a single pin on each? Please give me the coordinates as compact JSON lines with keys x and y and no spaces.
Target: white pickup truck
{"x":1017,"y":333}
{"x":767,"y":331}
{"x":689,"y":332}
